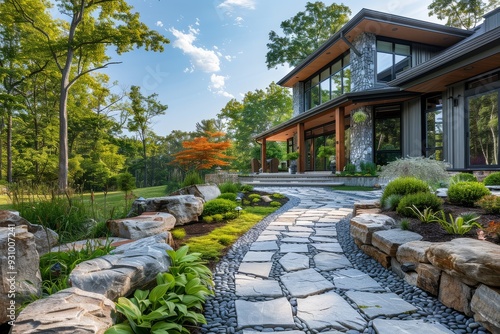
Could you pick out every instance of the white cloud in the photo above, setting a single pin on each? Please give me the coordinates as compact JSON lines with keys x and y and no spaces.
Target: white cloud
{"x":218,"y":85}
{"x":201,"y":58}
{"x":230,"y":4}
{"x":159,"y":24}
{"x":238,"y":21}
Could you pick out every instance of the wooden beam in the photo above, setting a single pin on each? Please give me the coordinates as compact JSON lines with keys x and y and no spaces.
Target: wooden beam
{"x":301,"y":146}
{"x":340,"y":138}
{"x":263,"y":154}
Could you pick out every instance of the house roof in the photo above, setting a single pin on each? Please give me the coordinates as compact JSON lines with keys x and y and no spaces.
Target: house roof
{"x":381,"y":24}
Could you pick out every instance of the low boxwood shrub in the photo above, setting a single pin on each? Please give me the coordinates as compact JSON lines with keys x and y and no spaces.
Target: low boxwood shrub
{"x":419,"y":200}
{"x":404,"y":186}
{"x":229,"y":196}
{"x":230,"y":215}
{"x":256,"y":200}
{"x":277,"y":196}
{"x":275,"y":204}
{"x":178,"y":233}
{"x":466,"y":193}
{"x":254,"y":196}
{"x":246,"y":188}
{"x":208,"y":219}
{"x":218,"y":206}
{"x":218,"y":217}
{"x":493,"y":179}
{"x":490,"y":204}
{"x":462,"y":177}
{"x":229,"y":187}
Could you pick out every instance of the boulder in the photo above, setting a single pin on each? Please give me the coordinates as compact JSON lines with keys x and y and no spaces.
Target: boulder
{"x":128,"y":267}
{"x":428,"y":278}
{"x":185,"y":208}
{"x":388,"y":241}
{"x":19,"y":269}
{"x":205,"y":191}
{"x":45,"y":238}
{"x":368,"y":206}
{"x":413,"y":252}
{"x":376,"y":254}
{"x":455,"y":294}
{"x":83,"y":244}
{"x":486,"y":307}
{"x":143,"y":226}
{"x":470,"y":259}
{"x":66,"y":312}
{"x":364,"y":225}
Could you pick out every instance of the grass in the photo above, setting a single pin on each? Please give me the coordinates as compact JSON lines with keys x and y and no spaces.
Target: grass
{"x":352,"y":188}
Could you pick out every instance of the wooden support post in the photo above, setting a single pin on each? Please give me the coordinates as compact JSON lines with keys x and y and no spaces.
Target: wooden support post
{"x":301,"y":146}
{"x":340,"y":138}
{"x":263,"y":162}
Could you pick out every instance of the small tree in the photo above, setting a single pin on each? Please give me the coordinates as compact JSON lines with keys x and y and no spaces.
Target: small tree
{"x":204,"y":152}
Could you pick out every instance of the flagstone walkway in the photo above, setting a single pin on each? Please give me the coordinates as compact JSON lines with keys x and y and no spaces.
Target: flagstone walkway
{"x":291,"y":274}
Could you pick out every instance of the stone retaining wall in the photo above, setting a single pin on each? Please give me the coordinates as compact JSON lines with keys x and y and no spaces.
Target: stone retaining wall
{"x":463,"y":274}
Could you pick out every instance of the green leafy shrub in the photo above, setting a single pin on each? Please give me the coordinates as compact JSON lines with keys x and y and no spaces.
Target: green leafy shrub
{"x":208,"y":219}
{"x":490,"y":204}
{"x":218,"y":217}
{"x":275,"y":204}
{"x":350,"y":169}
{"x":229,"y":196}
{"x":178,"y":233}
{"x":493,"y":179}
{"x":218,"y":206}
{"x":368,"y":168}
{"x":462,"y":177}
{"x":229,"y":187}
{"x":174,"y":303}
{"x":404,"y":186}
{"x":230,"y":215}
{"x":466,"y":193}
{"x":246,"y":202}
{"x":391,"y":202}
{"x":278,"y":196}
{"x":256,"y":200}
{"x":254,"y":196}
{"x":420,"y":201}
{"x":246,"y":188}
{"x":426,"y":169}
{"x":425,"y":216}
{"x":191,"y":179}
{"x":459,"y":225}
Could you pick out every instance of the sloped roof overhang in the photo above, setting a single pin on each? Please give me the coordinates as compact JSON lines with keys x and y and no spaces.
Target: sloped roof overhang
{"x":381,"y":24}
{"x":348,"y":101}
{"x":465,"y":60}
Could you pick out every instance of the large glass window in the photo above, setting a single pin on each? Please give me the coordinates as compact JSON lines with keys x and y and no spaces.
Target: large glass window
{"x":392,"y":58}
{"x":387,"y":134}
{"x":328,"y":84}
{"x":434,"y":127}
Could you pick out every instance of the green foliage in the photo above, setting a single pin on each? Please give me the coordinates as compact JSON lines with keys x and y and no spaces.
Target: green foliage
{"x":391,"y":202}
{"x":305,"y":32}
{"x":229,"y":196}
{"x":208,"y":219}
{"x":178,"y":233}
{"x":275,"y":204}
{"x":490,"y":204}
{"x":426,"y":169}
{"x":292,"y":155}
{"x":368,"y":168}
{"x":246,"y":188}
{"x":192,"y":178}
{"x":225,"y":240}
{"x":254,"y":196}
{"x":126,"y":182}
{"x":350,"y":169}
{"x":278,"y":196}
{"x":218,"y":217}
{"x":256,"y":200}
{"x":404,"y":186}
{"x":218,"y":206}
{"x":229,"y":187}
{"x":174,"y":303}
{"x":464,"y":14}
{"x":459,"y":225}
{"x":328,"y":150}
{"x":246,"y":202}
{"x":425,"y":216}
{"x":420,"y":201}
{"x":230,"y":215}
{"x":462,"y":177}
{"x":492,"y":180}
{"x":466,"y":193}
{"x":404,"y":224}
{"x":172,"y":186}
{"x":359,"y":116}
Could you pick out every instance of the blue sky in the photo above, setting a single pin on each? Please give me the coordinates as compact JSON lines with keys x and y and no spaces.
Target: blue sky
{"x":217,"y":52}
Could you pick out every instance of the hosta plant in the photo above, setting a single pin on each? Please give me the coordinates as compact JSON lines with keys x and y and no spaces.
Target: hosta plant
{"x":459,"y":225}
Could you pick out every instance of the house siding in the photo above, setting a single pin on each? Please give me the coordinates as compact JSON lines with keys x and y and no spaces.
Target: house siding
{"x":411,"y":119}
{"x":454,"y":122}
{"x":298,"y":98}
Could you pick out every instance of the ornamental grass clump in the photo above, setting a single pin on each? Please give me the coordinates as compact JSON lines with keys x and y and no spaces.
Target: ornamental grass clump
{"x":429,"y":170}
{"x":467,"y":193}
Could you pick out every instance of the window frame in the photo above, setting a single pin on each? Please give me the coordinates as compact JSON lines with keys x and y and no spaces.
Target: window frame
{"x":393,"y":54}
{"x":425,"y":112}
{"x":375,"y":118}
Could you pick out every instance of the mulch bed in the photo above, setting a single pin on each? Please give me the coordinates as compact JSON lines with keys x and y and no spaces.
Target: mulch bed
{"x":435,"y":233}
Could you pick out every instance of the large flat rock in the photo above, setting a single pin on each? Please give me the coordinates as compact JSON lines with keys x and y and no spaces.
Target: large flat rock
{"x":385,"y":326}
{"x":413,"y":252}
{"x":256,"y":256}
{"x":331,"y":261}
{"x":472,"y":259}
{"x":185,"y":208}
{"x":305,"y":283}
{"x":294,"y":248}
{"x":325,"y":232}
{"x":276,"y":312}
{"x":353,"y":279}
{"x":294,"y":261}
{"x":261,"y":269}
{"x":388,"y":241}
{"x":264,"y":246}
{"x":363,"y":226}
{"x":486,"y":307}
{"x":247,"y":286}
{"x":143,"y":226}
{"x":380,"y":304}
{"x":205,"y":191}
{"x":329,"y":310}
{"x":333,"y":247}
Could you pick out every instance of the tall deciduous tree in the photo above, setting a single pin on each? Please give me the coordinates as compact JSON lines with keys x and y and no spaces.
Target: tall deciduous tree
{"x":78,"y":46}
{"x":305,"y":32}
{"x":465,"y":14}
{"x":142,"y":111}
{"x":204,"y":152}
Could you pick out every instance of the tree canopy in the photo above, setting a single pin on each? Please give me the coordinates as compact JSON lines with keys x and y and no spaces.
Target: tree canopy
{"x":465,"y":14}
{"x":305,"y":32}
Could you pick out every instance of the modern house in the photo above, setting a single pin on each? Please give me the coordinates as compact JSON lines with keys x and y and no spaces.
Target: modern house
{"x":387,"y":86}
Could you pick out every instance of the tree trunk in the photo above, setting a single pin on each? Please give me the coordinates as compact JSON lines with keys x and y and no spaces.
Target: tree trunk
{"x":63,"y":138}
{"x":9,"y":146}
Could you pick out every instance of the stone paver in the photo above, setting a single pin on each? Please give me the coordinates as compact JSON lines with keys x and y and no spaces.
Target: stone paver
{"x":264,"y":246}
{"x":267,"y":237}
{"x":295,"y":240}
{"x":323,"y":239}
{"x":277,"y":312}
{"x":386,"y":326}
{"x":293,"y":261}
{"x":333,"y":247}
{"x":247,"y":286}
{"x":353,"y":279}
{"x":305,"y":283}
{"x":294,"y":248}
{"x":252,"y":256}
{"x":376,"y":304}
{"x":261,"y":269}
{"x":329,"y":310}
{"x":331,"y":261}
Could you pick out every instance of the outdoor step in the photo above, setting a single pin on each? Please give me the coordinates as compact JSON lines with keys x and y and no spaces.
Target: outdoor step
{"x":293,"y":183}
